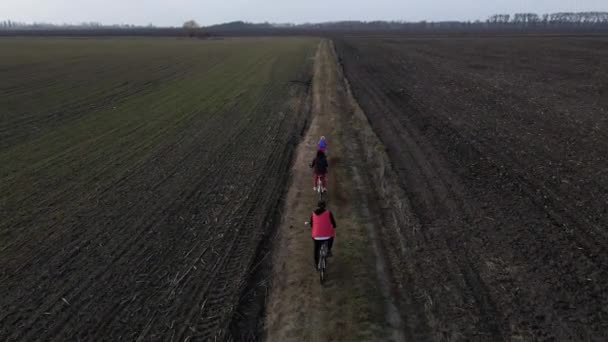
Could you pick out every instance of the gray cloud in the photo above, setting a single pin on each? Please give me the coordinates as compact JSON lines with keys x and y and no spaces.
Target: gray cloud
{"x":174,"y":12}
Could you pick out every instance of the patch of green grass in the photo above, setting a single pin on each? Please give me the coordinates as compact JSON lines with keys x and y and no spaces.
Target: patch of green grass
{"x":365,"y":303}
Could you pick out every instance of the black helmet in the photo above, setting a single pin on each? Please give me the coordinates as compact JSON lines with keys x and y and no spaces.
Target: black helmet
{"x":321,"y":204}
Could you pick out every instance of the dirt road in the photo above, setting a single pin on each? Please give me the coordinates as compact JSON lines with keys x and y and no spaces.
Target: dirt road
{"x":355,"y":303}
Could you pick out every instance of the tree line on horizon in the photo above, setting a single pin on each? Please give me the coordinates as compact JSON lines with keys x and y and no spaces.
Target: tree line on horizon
{"x":560,"y":18}
{"x":557,"y":20}
{"x":16,"y":25}
{"x":521,"y":21}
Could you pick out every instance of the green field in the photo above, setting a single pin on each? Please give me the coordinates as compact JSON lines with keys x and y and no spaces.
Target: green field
{"x":77,"y":109}
{"x":121,"y":157}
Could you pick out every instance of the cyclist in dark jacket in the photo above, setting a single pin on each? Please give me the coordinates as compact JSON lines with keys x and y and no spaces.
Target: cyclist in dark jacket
{"x":320,"y":166}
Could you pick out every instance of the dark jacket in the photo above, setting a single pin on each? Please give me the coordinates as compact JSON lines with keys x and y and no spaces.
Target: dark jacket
{"x":319,"y":211}
{"x":320,"y":164}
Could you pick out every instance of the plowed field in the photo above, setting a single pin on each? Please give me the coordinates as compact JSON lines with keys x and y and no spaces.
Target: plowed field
{"x":501,"y":147}
{"x":138,"y":179}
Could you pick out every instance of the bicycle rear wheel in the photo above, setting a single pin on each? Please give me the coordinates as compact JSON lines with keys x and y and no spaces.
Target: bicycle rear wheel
{"x":323,"y":262}
{"x":322,"y":271}
{"x":319,"y":190}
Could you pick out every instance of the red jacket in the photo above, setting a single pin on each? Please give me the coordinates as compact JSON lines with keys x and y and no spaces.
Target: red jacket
{"x":323,"y":224}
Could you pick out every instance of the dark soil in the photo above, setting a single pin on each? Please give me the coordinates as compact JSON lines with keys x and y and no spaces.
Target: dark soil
{"x":161,"y":245}
{"x":501,"y":148}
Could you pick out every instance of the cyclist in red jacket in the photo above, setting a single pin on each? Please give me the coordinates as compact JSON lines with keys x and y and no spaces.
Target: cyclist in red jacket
{"x":323,"y":227}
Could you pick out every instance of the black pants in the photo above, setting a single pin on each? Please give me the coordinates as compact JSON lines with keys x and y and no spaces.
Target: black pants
{"x":317,"y":246}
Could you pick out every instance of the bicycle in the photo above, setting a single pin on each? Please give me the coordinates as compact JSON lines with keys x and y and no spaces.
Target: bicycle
{"x":320,"y":193}
{"x":322,"y":266}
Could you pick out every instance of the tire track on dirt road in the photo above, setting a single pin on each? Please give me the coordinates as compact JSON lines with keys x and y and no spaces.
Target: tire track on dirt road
{"x":356,"y":302}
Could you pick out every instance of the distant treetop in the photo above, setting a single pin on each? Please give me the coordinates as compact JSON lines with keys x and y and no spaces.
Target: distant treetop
{"x":191,"y":24}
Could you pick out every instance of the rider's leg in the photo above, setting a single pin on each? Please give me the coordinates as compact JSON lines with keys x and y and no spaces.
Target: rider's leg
{"x":316,"y":248}
{"x":330,"y":243}
{"x":324,"y":181}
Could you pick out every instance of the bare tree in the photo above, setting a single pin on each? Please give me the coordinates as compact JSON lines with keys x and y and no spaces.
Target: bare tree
{"x":545,"y":19}
{"x":499,"y":19}
{"x":191,"y":27}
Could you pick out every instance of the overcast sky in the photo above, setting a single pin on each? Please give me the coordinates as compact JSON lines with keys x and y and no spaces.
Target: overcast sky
{"x":208,"y":12}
